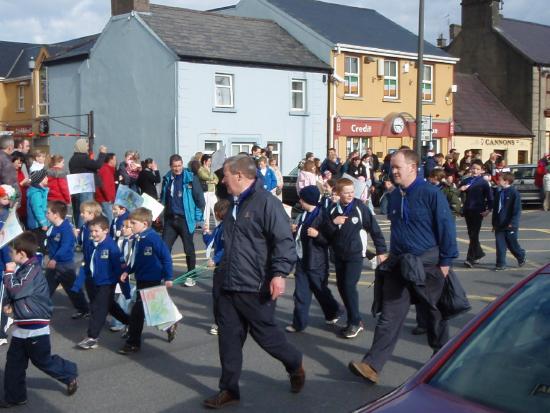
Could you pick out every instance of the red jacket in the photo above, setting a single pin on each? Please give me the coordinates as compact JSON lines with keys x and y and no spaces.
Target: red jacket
{"x":107,"y":191}
{"x":57,"y":182}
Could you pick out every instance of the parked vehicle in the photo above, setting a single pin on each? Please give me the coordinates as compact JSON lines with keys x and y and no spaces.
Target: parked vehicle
{"x":290,"y":195}
{"x":499,"y":362}
{"x":525,"y":182}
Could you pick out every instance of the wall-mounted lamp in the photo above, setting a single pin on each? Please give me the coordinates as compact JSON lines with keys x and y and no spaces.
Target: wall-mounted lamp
{"x":32,"y":64}
{"x":369,"y":59}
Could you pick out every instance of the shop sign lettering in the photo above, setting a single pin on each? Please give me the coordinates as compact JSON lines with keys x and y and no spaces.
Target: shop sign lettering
{"x":361,"y":129}
{"x":499,"y":142}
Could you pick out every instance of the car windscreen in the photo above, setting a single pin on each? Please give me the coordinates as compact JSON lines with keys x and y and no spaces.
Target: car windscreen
{"x":505,"y":363}
{"x":524,"y":172}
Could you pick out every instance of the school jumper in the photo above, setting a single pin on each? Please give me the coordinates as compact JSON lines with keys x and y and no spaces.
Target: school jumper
{"x":479,"y":198}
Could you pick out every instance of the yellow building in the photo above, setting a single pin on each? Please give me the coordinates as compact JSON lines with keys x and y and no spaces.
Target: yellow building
{"x":374,"y":101}
{"x":23,"y":88}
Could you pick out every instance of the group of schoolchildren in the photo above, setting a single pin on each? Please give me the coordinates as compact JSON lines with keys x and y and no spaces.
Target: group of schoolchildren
{"x":111,"y":252}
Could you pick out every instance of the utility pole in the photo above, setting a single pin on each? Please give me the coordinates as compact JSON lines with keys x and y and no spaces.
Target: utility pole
{"x":420,"y":78}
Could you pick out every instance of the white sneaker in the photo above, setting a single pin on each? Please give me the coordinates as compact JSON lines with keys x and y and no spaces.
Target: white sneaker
{"x":3,"y":341}
{"x":190,"y":282}
{"x":214,"y":330}
{"x":290,"y":329}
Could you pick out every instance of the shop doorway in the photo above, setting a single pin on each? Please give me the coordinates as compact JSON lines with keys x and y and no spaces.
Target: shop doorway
{"x":357,"y":144}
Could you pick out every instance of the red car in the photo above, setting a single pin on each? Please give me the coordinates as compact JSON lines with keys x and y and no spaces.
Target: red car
{"x":499,"y":362}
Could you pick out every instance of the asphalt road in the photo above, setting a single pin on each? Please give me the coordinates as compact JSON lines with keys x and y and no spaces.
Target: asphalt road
{"x":176,"y":377}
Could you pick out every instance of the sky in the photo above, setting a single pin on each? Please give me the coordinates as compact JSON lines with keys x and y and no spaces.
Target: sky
{"x":50,"y":21}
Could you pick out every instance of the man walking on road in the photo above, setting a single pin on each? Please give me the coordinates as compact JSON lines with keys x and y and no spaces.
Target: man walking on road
{"x":259,"y":252}
{"x":422,"y":247}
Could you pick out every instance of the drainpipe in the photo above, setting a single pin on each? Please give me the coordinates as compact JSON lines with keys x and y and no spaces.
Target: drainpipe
{"x":334,"y":92}
{"x":544,"y":72}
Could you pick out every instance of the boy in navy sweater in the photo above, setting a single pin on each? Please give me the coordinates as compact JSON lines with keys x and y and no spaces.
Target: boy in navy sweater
{"x":120,"y":214}
{"x":506,"y":214}
{"x":29,"y":301}
{"x":151,"y":263}
{"x":311,"y":273}
{"x":103,"y":272}
{"x":60,"y":268}
{"x":214,"y":241}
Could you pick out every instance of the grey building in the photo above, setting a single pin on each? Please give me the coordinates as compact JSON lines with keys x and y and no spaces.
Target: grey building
{"x":512,"y":58}
{"x":165,"y":80}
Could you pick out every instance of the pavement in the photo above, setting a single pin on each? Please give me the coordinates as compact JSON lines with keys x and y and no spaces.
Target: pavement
{"x":177,"y":376}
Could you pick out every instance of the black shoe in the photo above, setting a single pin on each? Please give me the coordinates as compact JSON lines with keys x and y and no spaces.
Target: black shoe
{"x":522,"y":262}
{"x":78,"y":315}
{"x":171,"y":332}
{"x":128,"y":349}
{"x":418,"y":331}
{"x":352,"y":331}
{"x":6,"y":405}
{"x":468,"y":264}
{"x":72,"y":387}
{"x":222,"y":399}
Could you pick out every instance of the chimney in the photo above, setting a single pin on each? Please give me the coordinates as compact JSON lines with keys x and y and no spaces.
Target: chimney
{"x":454,"y":30}
{"x":126,"y":6}
{"x":441,"y":41}
{"x":480,"y":14}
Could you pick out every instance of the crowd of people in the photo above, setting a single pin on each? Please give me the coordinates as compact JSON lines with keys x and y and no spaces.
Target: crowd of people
{"x":252,"y":243}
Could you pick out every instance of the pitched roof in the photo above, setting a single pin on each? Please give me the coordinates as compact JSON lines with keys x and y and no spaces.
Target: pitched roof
{"x":531,"y":39}
{"x":71,"y":49}
{"x":477,"y":111}
{"x":210,"y":36}
{"x":356,"y":26}
{"x":14,"y":58}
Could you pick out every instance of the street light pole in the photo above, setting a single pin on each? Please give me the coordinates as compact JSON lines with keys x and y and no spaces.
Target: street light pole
{"x":420,"y":78}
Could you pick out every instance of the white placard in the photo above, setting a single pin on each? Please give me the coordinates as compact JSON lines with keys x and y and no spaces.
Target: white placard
{"x":218,"y":158}
{"x":358,"y":186}
{"x":11,"y":229}
{"x":152,"y":205}
{"x":80,"y":183}
{"x":128,"y":198}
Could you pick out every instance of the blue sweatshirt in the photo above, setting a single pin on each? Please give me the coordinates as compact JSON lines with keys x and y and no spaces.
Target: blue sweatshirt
{"x":421,"y":220}
{"x":61,"y":241}
{"x":152,"y":259}
{"x":105,"y":266}
{"x":85,"y":240}
{"x":479,"y":197}
{"x":116,"y":225}
{"x":37,"y":205}
{"x":217,"y":238}
{"x":507,"y":209}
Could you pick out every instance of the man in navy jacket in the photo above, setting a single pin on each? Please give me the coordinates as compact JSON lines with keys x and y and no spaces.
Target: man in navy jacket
{"x":506,"y":214}
{"x":259,"y":253}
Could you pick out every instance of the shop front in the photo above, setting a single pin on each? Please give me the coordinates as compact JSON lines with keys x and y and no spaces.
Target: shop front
{"x":514,"y":150}
{"x":387,"y":135}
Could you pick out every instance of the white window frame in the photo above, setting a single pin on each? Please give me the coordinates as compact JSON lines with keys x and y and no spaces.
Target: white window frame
{"x":217,"y":143}
{"x":388,"y":77}
{"x":277,"y":152}
{"x":43,"y":93}
{"x":302,"y":92}
{"x":348,"y":75}
{"x":230,"y":87}
{"x":240,"y":145}
{"x":429,"y":82}
{"x":20,"y":98}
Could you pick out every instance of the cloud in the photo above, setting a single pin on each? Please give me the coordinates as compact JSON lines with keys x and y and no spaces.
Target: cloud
{"x":48,"y":21}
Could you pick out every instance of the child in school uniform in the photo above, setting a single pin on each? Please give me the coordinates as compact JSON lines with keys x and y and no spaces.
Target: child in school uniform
{"x":120,"y":214}
{"x":311,"y":274}
{"x":103,"y":272}
{"x":151,"y":263}
{"x":125,"y":244}
{"x":60,"y":268}
{"x":29,"y":301}
{"x":343,"y":226}
{"x":506,"y":215}
{"x":214,"y":240}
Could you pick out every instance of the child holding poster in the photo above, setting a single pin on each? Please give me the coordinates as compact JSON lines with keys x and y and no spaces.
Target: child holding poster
{"x":120,"y":214}
{"x":151,"y":263}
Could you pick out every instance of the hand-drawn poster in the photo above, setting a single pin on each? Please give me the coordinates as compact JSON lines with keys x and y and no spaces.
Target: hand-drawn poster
{"x":80,"y":183}
{"x":152,"y":205}
{"x":11,"y":229}
{"x":127,"y":198}
{"x":158,"y":306}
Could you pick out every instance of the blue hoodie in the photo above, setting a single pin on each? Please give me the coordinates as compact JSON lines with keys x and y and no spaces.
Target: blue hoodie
{"x":192,"y":195}
{"x":61,"y":241}
{"x":105,"y":266}
{"x":116,"y":225}
{"x":37,"y":205}
{"x":152,"y":259}
{"x":217,"y":238}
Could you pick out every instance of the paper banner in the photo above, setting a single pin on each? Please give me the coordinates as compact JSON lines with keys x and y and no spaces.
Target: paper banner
{"x":359,"y":186}
{"x":152,"y":205}
{"x":80,"y":183}
{"x":127,"y":198}
{"x":218,"y":158}
{"x":11,"y":229}
{"x":159,"y":308}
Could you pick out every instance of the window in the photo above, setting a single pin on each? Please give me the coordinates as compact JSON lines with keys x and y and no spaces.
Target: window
{"x":211,"y":146}
{"x":21,"y":98}
{"x":428,"y":84}
{"x":224,"y":91}
{"x":43,"y":103}
{"x":236,"y":148}
{"x":277,"y":152}
{"x":351,"y":76}
{"x":391,"y":79}
{"x":357,"y":144}
{"x":298,"y":95}
{"x":522,"y":157}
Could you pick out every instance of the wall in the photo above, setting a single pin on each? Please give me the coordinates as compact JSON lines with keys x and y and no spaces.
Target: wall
{"x":9,"y":101}
{"x":488,"y":144}
{"x":261,"y":114}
